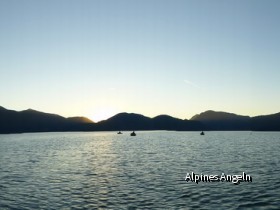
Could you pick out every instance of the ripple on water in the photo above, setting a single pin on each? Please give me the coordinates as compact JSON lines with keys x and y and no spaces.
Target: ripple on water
{"x":108,"y":171}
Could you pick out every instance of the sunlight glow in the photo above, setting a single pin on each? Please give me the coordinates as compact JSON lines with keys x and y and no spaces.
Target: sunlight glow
{"x":102,"y":114}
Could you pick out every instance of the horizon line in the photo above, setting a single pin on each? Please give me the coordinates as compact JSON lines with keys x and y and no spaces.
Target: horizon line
{"x":135,"y":113}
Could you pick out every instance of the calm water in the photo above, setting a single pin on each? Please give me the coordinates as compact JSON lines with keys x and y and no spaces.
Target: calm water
{"x":109,"y":171}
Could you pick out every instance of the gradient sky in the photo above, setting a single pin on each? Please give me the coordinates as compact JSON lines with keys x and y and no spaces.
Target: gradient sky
{"x":97,"y":58}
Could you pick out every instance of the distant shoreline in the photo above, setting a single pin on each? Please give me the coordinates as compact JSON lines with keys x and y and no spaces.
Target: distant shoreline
{"x":128,"y":132}
{"x":32,"y":121}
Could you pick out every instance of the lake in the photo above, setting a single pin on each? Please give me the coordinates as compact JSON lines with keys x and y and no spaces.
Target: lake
{"x":109,"y":171}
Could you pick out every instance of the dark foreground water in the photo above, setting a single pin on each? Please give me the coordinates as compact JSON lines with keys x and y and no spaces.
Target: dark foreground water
{"x":109,"y":171}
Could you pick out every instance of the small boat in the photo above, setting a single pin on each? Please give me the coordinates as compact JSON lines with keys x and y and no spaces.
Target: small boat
{"x":119,"y":132}
{"x":133,"y":134}
{"x":202,"y":133}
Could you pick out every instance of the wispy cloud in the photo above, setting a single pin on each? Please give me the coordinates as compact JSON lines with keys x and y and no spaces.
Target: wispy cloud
{"x":191,"y":84}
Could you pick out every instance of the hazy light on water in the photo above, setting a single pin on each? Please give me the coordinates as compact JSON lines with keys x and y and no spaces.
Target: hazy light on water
{"x":106,"y":170}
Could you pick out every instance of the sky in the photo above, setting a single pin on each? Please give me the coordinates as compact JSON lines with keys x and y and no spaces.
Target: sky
{"x":97,"y":58}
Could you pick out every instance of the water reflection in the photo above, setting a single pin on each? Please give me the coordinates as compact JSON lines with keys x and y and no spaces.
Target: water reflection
{"x":106,"y":170}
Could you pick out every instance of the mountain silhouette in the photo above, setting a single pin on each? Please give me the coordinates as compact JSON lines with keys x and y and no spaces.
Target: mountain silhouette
{"x":125,"y":121}
{"x":34,"y":121}
{"x":223,"y":121}
{"x":132,"y":121}
{"x":166,"y":122}
{"x":266,"y":122}
{"x":79,"y":120}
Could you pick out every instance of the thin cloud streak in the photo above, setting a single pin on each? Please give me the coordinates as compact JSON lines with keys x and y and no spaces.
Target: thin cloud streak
{"x":192,"y":84}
